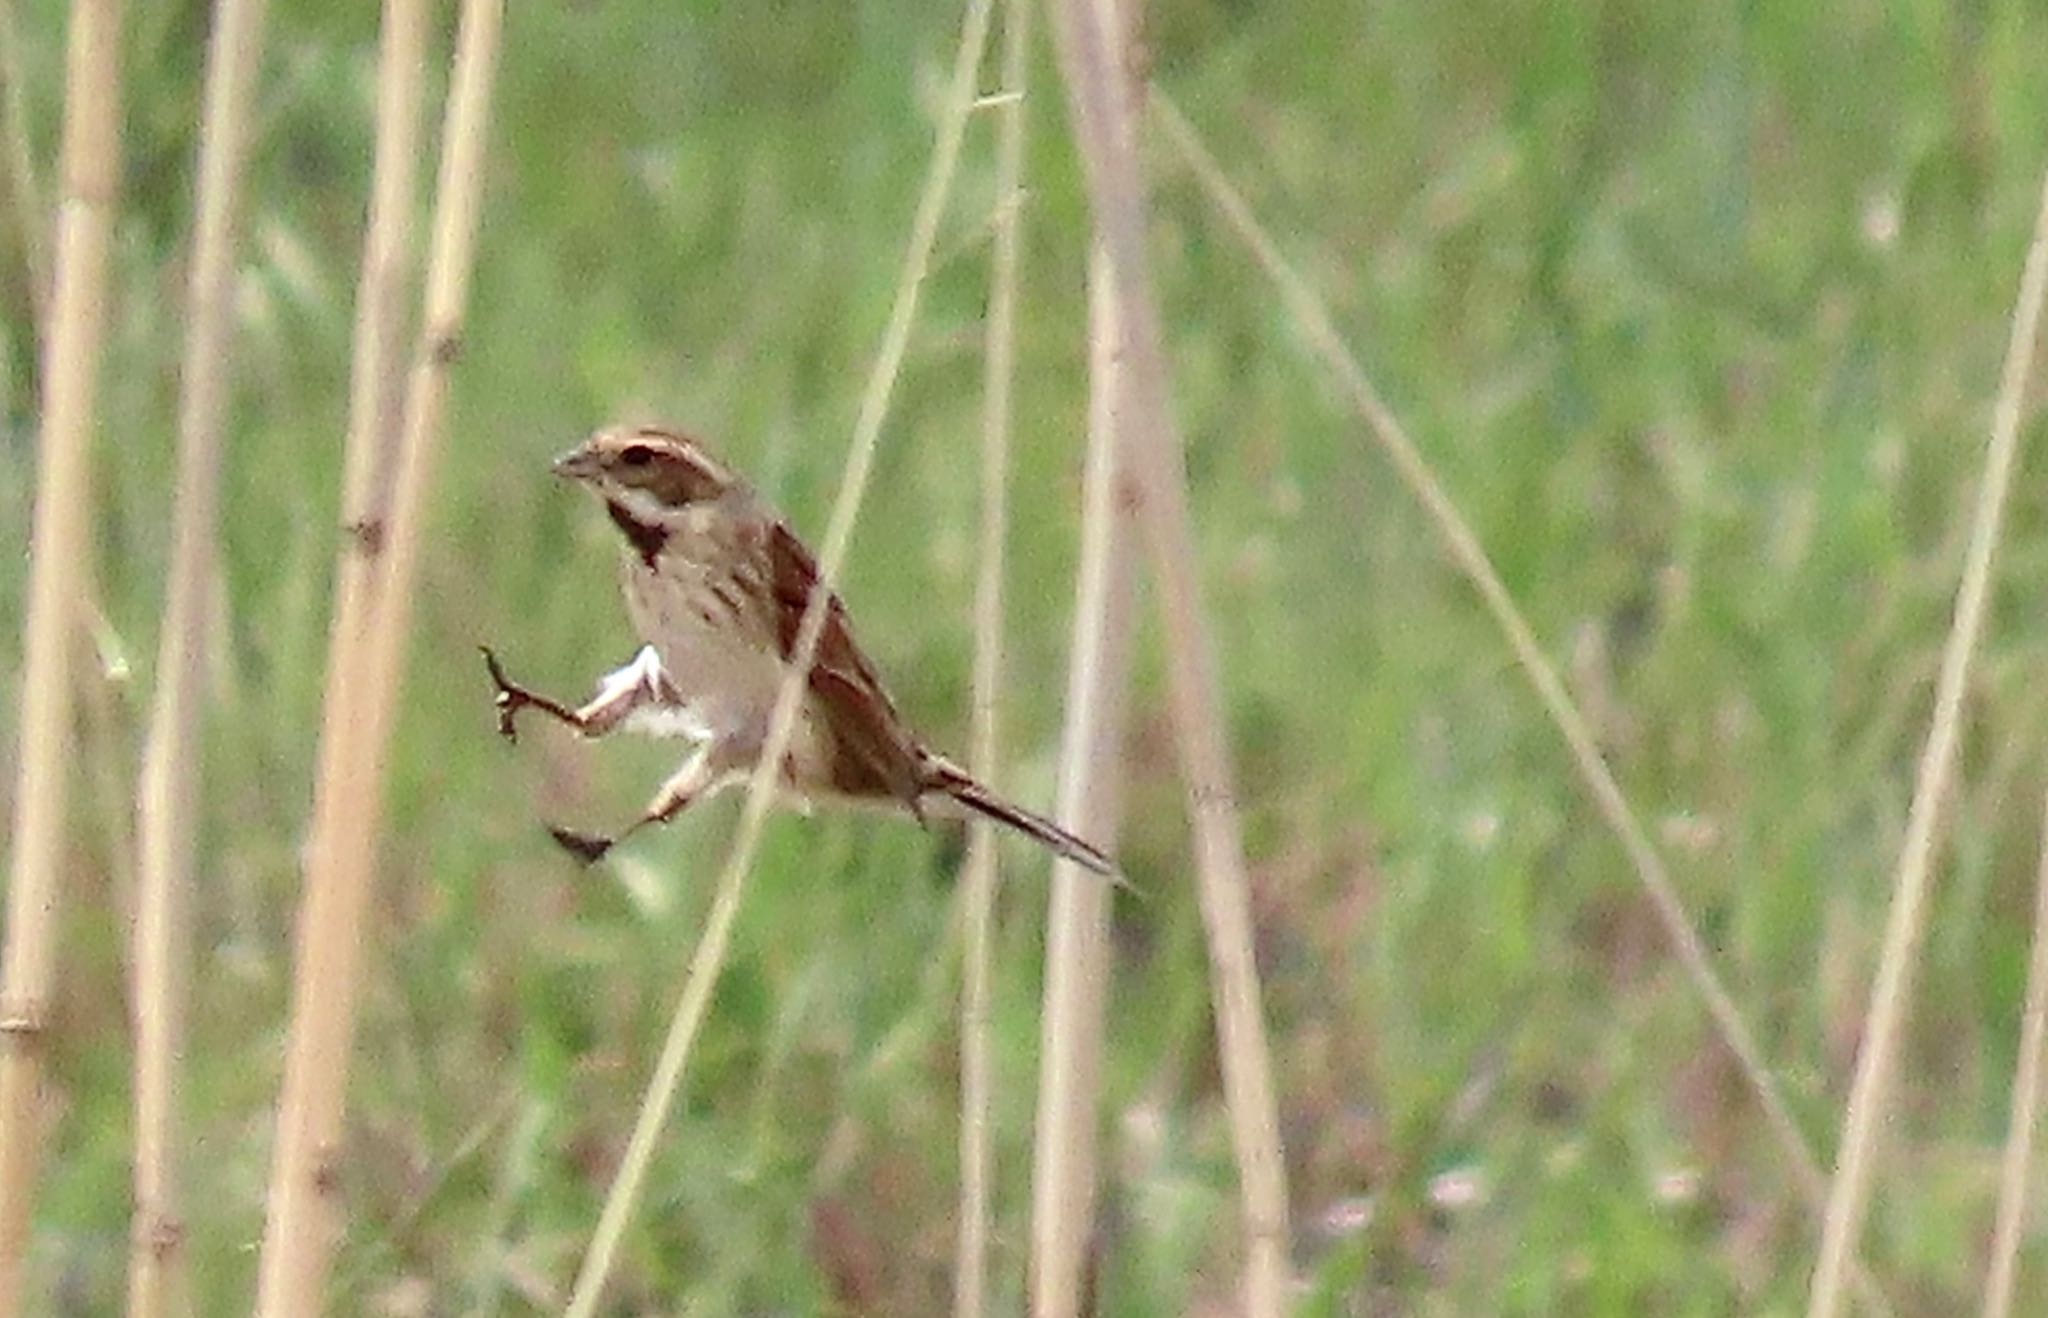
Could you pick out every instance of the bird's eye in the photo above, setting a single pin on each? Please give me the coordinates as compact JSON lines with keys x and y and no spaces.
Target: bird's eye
{"x":636,"y":455}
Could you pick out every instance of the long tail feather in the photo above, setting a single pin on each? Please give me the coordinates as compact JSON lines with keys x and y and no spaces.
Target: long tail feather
{"x":944,"y":776}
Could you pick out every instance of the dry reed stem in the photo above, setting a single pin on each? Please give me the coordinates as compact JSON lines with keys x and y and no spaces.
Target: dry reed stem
{"x":1090,"y":805}
{"x":1870,"y":1095}
{"x":977,"y":1082}
{"x":171,"y":788}
{"x":708,"y":960}
{"x":377,"y":370}
{"x":1313,"y":320}
{"x":1101,"y":100}
{"x":304,"y":1203}
{"x":375,"y":373}
{"x":1063,"y":1173}
{"x":91,"y":168}
{"x":2026,"y":1106}
{"x":101,"y":747}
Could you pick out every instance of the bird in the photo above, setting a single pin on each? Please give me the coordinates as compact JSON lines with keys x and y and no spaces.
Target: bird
{"x":716,"y":583}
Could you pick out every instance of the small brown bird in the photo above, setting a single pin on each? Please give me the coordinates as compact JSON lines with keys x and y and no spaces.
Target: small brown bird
{"x":716,"y":584}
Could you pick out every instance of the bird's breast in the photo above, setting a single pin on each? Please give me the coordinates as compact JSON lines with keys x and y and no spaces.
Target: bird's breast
{"x":713,"y":633}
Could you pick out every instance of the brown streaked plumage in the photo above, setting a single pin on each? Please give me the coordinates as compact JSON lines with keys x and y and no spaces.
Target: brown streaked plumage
{"x":716,"y":585}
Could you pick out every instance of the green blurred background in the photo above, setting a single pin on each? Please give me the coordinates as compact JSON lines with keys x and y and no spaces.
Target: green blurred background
{"x":1697,"y":310}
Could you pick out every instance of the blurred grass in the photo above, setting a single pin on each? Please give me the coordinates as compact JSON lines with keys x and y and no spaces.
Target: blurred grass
{"x":1698,"y":314}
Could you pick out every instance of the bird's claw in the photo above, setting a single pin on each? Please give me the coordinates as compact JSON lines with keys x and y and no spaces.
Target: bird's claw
{"x":510,"y":697}
{"x":589,"y":848}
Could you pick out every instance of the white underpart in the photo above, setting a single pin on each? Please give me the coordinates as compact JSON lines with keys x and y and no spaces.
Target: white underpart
{"x":655,"y":710}
{"x":657,"y":713}
{"x":642,"y":670}
{"x":668,"y":721}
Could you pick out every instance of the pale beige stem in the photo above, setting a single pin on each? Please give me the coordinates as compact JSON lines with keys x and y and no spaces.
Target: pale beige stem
{"x":91,"y":168}
{"x":171,"y":787}
{"x":1063,"y":1170}
{"x":2015,"y":1168}
{"x":1890,"y":995}
{"x":102,"y":751}
{"x":708,"y":960}
{"x":1314,"y":322}
{"x":305,"y":1216}
{"x":1103,"y":114}
{"x":977,"y":1081}
{"x":1091,"y":806}
{"x":377,"y":370}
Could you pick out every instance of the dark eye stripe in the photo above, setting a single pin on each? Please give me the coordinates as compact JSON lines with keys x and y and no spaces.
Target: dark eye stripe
{"x":637,"y":455}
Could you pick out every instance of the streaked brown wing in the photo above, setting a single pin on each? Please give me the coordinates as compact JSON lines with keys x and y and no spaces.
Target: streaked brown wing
{"x":876,"y":754}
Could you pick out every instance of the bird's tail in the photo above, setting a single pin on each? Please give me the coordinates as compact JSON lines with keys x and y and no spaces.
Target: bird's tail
{"x":948,"y":779}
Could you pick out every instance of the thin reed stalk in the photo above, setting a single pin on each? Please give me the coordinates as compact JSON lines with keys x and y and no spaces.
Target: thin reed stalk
{"x":171,"y":788}
{"x":102,"y":746}
{"x":1891,"y":993}
{"x":375,"y":376}
{"x":2014,"y":1168}
{"x":1101,"y":98}
{"x":91,"y":168}
{"x":708,"y":960}
{"x":1063,"y":1171}
{"x":1091,"y":805}
{"x":977,"y":1081}
{"x":304,"y":1207}
{"x":1313,"y":320}
{"x":377,"y":369}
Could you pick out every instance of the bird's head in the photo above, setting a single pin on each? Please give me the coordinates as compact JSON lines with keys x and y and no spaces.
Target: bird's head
{"x":646,"y":471}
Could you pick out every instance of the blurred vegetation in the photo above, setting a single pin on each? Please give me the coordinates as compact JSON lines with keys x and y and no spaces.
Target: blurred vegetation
{"x":1697,"y":311}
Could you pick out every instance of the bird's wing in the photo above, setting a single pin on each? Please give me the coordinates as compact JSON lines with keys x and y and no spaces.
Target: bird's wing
{"x":875,"y":754}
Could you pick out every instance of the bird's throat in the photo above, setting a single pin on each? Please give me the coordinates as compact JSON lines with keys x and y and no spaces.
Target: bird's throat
{"x":647,"y":538}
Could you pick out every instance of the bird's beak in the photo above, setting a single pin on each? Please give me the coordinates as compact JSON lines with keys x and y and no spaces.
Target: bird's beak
{"x":577,"y":464}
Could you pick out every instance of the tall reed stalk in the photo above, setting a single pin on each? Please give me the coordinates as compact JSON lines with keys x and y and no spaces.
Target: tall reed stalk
{"x":91,"y":168}
{"x":304,"y":1206}
{"x":2009,"y":1226}
{"x":377,"y":364}
{"x":708,"y":960}
{"x":1463,"y":547}
{"x":1063,"y":1168}
{"x":977,"y":1081}
{"x":1063,"y":1156}
{"x":1891,"y":992}
{"x":171,"y":788}
{"x":1103,"y":110}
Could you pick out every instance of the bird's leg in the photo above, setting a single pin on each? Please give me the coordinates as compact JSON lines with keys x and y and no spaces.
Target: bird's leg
{"x":620,"y":693}
{"x":708,"y":767}
{"x":682,"y":788}
{"x":511,"y":698}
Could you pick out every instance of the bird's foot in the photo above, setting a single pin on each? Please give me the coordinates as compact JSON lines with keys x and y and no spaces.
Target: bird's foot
{"x":588,"y":848}
{"x":511,"y":697}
